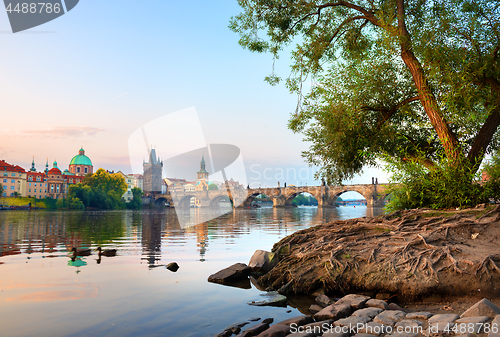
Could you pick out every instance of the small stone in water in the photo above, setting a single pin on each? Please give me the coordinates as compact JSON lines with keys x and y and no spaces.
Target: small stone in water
{"x":173,"y":266}
{"x":254,"y":319}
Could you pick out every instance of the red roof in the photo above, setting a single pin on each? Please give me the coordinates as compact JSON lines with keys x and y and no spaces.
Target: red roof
{"x":54,"y":170}
{"x":4,"y":166}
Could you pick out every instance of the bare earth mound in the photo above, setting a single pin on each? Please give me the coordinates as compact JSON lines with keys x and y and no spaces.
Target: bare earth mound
{"x":413,"y":253}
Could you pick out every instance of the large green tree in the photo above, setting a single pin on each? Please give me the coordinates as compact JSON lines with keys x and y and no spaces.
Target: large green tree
{"x":411,"y":79}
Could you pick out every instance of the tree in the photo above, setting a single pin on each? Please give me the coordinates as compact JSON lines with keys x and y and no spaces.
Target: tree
{"x":1,"y":190}
{"x":411,"y":79}
{"x":100,"y":190}
{"x":136,"y":202}
{"x":212,"y":187}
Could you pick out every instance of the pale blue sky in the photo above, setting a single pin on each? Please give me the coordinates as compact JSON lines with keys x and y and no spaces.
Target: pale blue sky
{"x":93,"y":76}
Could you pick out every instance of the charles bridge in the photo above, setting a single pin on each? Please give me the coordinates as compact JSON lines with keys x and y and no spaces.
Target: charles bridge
{"x":280,"y":196}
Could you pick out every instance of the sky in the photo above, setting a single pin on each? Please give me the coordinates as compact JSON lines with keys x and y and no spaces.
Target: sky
{"x":94,"y":77}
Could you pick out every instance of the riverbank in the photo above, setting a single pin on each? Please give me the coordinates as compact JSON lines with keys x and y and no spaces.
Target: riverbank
{"x":362,"y":316}
{"x":413,"y":254}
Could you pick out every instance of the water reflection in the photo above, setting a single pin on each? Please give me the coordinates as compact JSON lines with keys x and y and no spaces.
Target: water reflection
{"x":135,"y":296}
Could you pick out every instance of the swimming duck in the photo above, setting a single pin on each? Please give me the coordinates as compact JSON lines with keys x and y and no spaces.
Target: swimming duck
{"x":106,"y":252}
{"x":80,"y":252}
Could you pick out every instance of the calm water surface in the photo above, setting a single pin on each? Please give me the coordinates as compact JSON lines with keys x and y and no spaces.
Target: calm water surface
{"x":44,"y":293}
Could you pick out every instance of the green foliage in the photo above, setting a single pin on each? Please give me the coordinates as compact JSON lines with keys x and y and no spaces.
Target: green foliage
{"x":492,"y":184}
{"x":442,"y":186}
{"x":100,"y":190}
{"x":212,"y":187}
{"x":70,"y":202}
{"x":360,"y":100}
{"x":1,"y":190}
{"x":301,"y":199}
{"x":136,"y":202}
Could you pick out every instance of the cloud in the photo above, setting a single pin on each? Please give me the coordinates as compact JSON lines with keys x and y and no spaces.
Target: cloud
{"x":62,"y":132}
{"x":120,"y":95}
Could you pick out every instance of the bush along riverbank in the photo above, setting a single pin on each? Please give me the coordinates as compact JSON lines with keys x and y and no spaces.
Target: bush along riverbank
{"x":410,"y":254}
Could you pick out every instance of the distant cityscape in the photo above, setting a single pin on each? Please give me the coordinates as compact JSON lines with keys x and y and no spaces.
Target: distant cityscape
{"x":54,"y":183}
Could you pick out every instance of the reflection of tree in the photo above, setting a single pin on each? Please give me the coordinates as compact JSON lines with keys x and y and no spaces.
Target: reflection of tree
{"x":96,"y":227}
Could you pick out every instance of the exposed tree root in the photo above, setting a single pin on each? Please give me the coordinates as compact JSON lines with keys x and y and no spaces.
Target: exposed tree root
{"x":411,"y":252}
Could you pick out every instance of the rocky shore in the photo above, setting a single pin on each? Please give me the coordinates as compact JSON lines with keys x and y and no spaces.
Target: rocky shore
{"x":361,"y":316}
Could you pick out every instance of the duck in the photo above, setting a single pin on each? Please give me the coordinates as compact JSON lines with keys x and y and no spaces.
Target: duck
{"x":106,"y":252}
{"x":80,"y":252}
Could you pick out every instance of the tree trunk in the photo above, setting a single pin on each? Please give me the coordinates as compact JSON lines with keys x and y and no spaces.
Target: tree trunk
{"x":427,"y":98}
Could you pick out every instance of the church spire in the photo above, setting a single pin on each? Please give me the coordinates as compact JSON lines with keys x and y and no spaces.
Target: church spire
{"x":33,"y":169}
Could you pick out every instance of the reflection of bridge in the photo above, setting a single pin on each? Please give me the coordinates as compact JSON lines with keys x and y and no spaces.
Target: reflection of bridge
{"x":281,"y":196}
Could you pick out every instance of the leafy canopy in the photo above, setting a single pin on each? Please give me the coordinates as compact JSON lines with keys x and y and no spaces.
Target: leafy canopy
{"x":415,"y":80}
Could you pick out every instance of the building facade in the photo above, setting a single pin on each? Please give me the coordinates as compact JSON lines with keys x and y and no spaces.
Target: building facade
{"x":13,"y":179}
{"x":152,"y":174}
{"x":81,"y":165}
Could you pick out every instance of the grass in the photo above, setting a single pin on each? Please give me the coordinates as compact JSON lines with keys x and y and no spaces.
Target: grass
{"x":22,"y":201}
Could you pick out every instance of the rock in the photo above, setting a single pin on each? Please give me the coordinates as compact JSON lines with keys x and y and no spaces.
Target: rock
{"x":255,"y":330}
{"x":482,"y":308}
{"x":237,"y":271}
{"x":408,"y":324}
{"x":439,"y":328}
{"x":284,"y":290}
{"x":225,"y":333}
{"x":277,"y":330}
{"x":394,"y":306}
{"x":373,"y":303}
{"x":299,"y":320}
{"x":172,"y":266}
{"x":368,"y":312}
{"x":495,"y":323}
{"x":314,"y":308}
{"x":262,"y":261}
{"x":254,"y":319}
{"x":352,"y":321}
{"x":363,"y":335}
{"x":389,"y":317}
{"x":311,"y":329}
{"x":272,"y":298}
{"x":443,"y":318}
{"x":403,"y":334}
{"x":354,"y":300}
{"x":323,"y":300}
{"x":334,"y":311}
{"x":268,"y":320}
{"x":335,"y":334}
{"x":475,"y":324}
{"x":374,"y":328}
{"x":419,"y":315}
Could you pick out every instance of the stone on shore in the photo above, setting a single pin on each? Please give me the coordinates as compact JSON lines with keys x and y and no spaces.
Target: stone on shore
{"x":299,"y":320}
{"x":353,"y":300}
{"x":444,"y":318}
{"x":368,"y":312}
{"x":476,"y":324}
{"x":374,"y":303}
{"x":389,"y":317}
{"x":271,"y":298}
{"x":323,"y":300}
{"x":334,"y":311}
{"x":419,"y":315}
{"x":374,"y":328}
{"x":277,"y":330}
{"x":255,"y":330}
{"x":263,"y":261}
{"x":314,"y":308}
{"x":236,"y":272}
{"x":482,"y":308}
{"x":352,"y":321}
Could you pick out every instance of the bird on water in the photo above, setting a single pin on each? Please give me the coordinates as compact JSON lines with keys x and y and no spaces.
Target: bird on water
{"x":80,"y":252}
{"x":106,"y":252}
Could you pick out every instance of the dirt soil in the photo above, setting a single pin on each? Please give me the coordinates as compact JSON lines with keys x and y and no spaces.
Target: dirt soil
{"x":412,"y":253}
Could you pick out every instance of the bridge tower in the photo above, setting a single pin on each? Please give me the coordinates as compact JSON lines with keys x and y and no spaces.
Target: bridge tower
{"x":152,"y":174}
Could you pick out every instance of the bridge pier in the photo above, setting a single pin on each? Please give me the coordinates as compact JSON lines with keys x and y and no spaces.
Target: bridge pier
{"x":279,"y":201}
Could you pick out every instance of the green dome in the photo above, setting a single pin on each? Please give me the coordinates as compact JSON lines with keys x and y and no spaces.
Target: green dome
{"x":81,"y":159}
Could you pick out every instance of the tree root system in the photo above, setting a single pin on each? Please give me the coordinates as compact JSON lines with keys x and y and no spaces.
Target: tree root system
{"x":413,"y":253}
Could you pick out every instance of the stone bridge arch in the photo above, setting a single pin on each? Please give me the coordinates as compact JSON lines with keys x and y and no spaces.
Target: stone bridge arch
{"x":291,"y":196}
{"x":215,"y":200}
{"x":252,"y":195}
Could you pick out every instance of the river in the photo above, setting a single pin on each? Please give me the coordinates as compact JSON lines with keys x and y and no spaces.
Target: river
{"x":44,"y":293}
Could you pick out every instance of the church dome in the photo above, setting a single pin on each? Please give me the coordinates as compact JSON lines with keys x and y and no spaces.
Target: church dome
{"x":81,"y":159}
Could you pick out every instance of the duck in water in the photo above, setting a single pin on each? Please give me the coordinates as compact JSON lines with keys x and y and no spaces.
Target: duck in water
{"x":80,"y":252}
{"x":106,"y":252}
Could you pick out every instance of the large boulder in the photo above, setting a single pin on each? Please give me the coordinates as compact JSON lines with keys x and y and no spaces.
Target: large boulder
{"x":263,"y":261}
{"x":231,"y":274}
